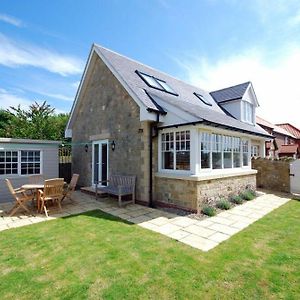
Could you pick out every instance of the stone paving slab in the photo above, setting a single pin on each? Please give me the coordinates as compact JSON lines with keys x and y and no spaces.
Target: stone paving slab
{"x":201,"y":234}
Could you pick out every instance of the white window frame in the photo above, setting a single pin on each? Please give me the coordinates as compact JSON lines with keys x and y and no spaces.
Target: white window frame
{"x":160,"y":159}
{"x":195,"y":152}
{"x":248,"y":112}
{"x":200,"y":170}
{"x":254,"y":153}
{"x":19,"y":162}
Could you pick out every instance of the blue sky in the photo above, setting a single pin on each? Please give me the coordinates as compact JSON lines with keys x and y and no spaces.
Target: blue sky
{"x":210,"y":43}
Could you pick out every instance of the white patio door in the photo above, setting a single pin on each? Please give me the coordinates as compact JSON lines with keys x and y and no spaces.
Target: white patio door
{"x":100,"y":162}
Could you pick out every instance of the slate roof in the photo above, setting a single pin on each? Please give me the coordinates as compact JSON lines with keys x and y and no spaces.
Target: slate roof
{"x":231,"y":93}
{"x":185,"y":100}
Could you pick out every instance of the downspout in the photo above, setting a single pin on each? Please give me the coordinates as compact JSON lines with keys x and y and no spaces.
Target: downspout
{"x":153,"y":126}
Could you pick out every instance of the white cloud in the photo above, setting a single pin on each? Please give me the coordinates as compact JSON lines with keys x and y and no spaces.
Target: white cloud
{"x":8,"y":99}
{"x":11,"y":20}
{"x":15,"y":54}
{"x":276,"y":85}
{"x":57,"y":96}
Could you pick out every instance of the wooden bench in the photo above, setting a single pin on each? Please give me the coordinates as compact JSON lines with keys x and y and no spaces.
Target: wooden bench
{"x":118,"y":185}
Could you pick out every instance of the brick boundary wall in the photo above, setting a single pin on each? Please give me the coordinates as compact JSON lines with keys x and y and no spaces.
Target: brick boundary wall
{"x":272,"y":174}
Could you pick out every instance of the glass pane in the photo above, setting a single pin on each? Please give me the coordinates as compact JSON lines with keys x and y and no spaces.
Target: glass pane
{"x":217,"y":160}
{"x":96,"y":163}
{"x":168,"y":160}
{"x":151,"y":81}
{"x":205,"y":159}
{"x":183,"y":160}
{"x":236,"y":159}
{"x":245,"y":159}
{"x":166,"y":86}
{"x":104,"y":163}
{"x":227,"y":160}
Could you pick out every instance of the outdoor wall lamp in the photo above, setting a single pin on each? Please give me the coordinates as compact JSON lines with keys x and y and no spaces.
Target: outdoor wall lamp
{"x":113,"y":145}
{"x":86,"y":147}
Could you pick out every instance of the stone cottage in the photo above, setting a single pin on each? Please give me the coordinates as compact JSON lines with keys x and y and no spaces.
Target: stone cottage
{"x":184,"y":144}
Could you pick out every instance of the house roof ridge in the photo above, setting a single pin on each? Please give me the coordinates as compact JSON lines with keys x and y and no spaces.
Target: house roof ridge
{"x":145,"y":65}
{"x":230,"y":87}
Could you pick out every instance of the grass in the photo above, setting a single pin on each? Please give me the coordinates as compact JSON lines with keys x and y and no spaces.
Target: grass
{"x":97,"y":256}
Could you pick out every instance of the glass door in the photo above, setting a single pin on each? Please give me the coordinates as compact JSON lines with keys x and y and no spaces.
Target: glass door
{"x":100,"y":162}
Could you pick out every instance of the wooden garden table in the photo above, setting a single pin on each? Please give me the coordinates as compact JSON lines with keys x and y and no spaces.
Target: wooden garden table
{"x":36,"y":187}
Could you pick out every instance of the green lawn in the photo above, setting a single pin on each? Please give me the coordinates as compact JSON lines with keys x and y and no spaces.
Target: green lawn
{"x":97,"y":256}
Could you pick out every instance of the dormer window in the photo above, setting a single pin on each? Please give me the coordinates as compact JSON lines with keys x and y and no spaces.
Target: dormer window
{"x":156,"y":83}
{"x":248,"y":112}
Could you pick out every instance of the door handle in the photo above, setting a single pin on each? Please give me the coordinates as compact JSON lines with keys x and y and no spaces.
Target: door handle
{"x":292,"y":174}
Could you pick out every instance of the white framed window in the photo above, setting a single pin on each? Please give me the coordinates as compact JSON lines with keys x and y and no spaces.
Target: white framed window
{"x":227,"y":151}
{"x":175,"y":150}
{"x":254,"y":150}
{"x":248,"y":112}
{"x":30,"y":162}
{"x":216,"y":147}
{"x":205,"y":150}
{"x":20,"y":162}
{"x":220,"y":151}
{"x":245,"y":149}
{"x":8,"y":162}
{"x":236,"y":147}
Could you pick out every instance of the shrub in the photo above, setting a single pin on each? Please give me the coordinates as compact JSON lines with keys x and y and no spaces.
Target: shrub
{"x":236,"y":199}
{"x":223,"y":204}
{"x":248,"y":195}
{"x":209,"y":211}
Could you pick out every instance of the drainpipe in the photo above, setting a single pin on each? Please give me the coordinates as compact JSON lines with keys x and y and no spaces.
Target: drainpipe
{"x":153,"y":126}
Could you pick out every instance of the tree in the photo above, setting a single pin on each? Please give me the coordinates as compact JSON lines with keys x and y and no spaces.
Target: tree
{"x":38,"y":122}
{"x":5,"y":118}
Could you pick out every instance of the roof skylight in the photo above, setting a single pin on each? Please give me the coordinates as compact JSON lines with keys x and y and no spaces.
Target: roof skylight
{"x":166,"y":86}
{"x":156,"y":83}
{"x":205,"y":101}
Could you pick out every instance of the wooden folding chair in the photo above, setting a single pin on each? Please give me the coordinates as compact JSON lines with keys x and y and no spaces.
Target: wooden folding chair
{"x":71,"y":187}
{"x":53,"y":191}
{"x":20,"y":197}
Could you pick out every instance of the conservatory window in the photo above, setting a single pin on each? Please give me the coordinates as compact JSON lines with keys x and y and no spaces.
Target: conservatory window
{"x":175,"y":148}
{"x":236,"y":142}
{"x":205,"y":150}
{"x":167,"y":143}
{"x":245,"y":147}
{"x":227,"y":151}
{"x":216,"y":145}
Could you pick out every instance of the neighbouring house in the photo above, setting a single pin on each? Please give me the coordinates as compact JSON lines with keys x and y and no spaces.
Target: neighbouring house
{"x":284,"y":143}
{"x":184,"y":144}
{"x":20,"y":158}
{"x":294,"y":131}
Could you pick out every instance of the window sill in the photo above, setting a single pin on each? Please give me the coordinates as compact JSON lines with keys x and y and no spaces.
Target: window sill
{"x":217,"y":174}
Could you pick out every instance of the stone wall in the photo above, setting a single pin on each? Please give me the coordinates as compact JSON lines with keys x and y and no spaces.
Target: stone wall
{"x":272,"y":174}
{"x":193,"y":194}
{"x":106,"y":110}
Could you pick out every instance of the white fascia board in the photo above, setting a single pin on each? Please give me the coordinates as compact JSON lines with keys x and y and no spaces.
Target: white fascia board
{"x":231,"y":132}
{"x":144,"y":114}
{"x":68,"y":130}
{"x":250,"y":96}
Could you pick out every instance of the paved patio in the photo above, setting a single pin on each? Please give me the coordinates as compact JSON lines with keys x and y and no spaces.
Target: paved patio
{"x":201,"y":234}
